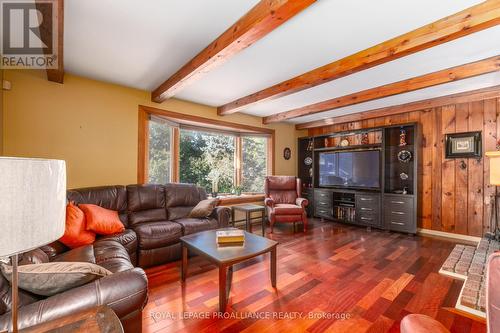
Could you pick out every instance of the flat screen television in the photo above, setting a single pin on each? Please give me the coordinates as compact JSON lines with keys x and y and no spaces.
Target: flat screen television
{"x":357,"y":169}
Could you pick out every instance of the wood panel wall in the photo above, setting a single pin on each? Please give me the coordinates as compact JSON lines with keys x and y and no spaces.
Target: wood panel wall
{"x":454,"y":194}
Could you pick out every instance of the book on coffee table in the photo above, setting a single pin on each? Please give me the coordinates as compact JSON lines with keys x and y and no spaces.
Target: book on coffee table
{"x":233,"y":237}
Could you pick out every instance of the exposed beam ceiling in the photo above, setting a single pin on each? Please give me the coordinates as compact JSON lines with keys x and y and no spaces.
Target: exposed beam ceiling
{"x":266,"y":16}
{"x":469,"y":96}
{"x":473,"y":19}
{"x":56,"y":75}
{"x":428,"y":80}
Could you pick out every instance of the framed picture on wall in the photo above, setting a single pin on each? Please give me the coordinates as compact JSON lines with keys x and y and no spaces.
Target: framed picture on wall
{"x":463,"y":145}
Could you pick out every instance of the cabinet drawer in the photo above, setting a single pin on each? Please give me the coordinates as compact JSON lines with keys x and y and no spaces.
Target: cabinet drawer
{"x":367,"y":200}
{"x":399,"y":223}
{"x":323,"y":212}
{"x":371,"y":219}
{"x":323,"y":195}
{"x":398,"y":206}
{"x":323,"y":204}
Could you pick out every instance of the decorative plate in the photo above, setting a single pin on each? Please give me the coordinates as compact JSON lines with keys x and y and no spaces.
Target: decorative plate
{"x":308,"y":161}
{"x":344,"y":143}
{"x":403,"y":176}
{"x":404,"y":156}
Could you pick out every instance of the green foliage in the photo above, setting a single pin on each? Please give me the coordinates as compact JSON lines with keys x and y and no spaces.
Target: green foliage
{"x":254,"y":164}
{"x":207,"y":159}
{"x":159,"y":153}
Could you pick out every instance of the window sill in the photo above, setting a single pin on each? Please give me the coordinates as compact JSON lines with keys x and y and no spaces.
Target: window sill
{"x":227,"y":200}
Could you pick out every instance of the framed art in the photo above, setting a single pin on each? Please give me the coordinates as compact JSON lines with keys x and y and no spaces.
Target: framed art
{"x":463,"y":145}
{"x":287,"y":153}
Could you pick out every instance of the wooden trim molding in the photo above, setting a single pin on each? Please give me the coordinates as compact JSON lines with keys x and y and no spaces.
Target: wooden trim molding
{"x":143,"y":136}
{"x":466,"y":22}
{"x":143,"y":147}
{"x":263,"y":18}
{"x":420,"y":82}
{"x":469,"y":96}
{"x":245,"y":198}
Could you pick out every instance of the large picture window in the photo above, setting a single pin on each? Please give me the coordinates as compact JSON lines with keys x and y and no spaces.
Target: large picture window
{"x":221,"y":157}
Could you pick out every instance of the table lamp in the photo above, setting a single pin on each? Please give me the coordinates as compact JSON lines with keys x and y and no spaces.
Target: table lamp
{"x":494,"y":157}
{"x":32,"y":210}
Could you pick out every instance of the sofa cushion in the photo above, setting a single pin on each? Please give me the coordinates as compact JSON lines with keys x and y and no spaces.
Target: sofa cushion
{"x":153,"y":235}
{"x":81,"y":254}
{"x":109,"y":197}
{"x":204,"y":208}
{"x":287,"y":209}
{"x":181,"y":199}
{"x":194,"y":225}
{"x":48,"y":279}
{"x":127,"y":238}
{"x":102,"y":221}
{"x":146,"y":203}
{"x":112,"y":255}
{"x":76,"y":233}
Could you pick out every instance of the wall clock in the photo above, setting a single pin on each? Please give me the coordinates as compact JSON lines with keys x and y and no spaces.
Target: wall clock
{"x":308,"y":161}
{"x":404,"y":156}
{"x":287,"y":153}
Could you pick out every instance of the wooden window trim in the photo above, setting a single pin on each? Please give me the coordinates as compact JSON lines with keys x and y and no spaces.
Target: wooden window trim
{"x":143,"y":145}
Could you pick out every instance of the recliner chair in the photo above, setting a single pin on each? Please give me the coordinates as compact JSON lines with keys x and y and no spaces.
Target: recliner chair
{"x":283,"y":201}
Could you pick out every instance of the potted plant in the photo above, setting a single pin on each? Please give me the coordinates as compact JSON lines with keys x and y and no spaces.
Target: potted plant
{"x":214,"y":176}
{"x":237,"y":190}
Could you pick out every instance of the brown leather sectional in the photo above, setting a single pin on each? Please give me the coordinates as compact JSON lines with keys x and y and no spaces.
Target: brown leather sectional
{"x":155,"y":217}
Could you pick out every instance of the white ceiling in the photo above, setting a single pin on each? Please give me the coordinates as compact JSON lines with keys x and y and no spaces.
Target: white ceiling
{"x":141,"y":43}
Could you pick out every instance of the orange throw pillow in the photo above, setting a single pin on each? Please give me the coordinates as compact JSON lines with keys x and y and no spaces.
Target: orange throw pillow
{"x":102,"y":221}
{"x":76,"y":233}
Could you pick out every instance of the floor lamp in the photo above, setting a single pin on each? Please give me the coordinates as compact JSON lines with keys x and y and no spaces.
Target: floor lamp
{"x":32,"y":210}
{"x":494,"y":157}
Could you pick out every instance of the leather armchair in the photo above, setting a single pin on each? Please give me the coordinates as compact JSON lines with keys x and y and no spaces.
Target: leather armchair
{"x":283,"y":201}
{"x":418,"y":323}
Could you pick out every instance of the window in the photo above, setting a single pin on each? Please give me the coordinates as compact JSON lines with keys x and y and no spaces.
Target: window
{"x":253,"y":163}
{"x":217,"y":155}
{"x":160,"y":159}
{"x":207,"y":159}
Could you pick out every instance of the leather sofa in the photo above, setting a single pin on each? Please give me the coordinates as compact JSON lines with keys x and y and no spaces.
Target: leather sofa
{"x":154,"y":216}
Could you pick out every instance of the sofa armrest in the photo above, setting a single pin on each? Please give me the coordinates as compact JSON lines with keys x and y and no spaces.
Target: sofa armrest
{"x":302,"y":202}
{"x":269,"y":202}
{"x":124,"y":292}
{"x":223,"y":215}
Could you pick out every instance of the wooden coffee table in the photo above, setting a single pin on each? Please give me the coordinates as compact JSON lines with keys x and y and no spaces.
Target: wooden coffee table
{"x":205,"y":244}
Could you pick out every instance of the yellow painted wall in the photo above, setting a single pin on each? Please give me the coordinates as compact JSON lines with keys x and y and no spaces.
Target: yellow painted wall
{"x":93,"y":126}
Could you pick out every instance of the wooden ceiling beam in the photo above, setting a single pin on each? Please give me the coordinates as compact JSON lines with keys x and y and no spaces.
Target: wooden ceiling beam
{"x":420,"y":82}
{"x":266,"y":16}
{"x":465,"y":97}
{"x":466,"y":22}
{"x":55,"y":74}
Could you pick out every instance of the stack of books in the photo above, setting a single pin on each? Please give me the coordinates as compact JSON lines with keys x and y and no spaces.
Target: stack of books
{"x":230,"y":238}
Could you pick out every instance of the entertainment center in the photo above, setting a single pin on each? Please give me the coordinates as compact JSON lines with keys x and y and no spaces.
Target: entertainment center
{"x":364,"y":177}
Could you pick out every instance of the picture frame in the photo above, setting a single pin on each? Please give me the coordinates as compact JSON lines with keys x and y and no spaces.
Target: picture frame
{"x":287,"y":153}
{"x":463,"y":145}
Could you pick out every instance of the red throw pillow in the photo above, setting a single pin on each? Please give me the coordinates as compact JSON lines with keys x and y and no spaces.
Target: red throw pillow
{"x":102,"y":221}
{"x":76,"y":233}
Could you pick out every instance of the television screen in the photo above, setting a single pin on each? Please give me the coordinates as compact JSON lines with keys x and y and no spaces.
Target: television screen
{"x":350,"y":169}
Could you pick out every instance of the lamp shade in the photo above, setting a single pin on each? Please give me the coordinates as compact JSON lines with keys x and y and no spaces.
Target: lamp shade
{"x":32,"y":203}
{"x":494,"y":167}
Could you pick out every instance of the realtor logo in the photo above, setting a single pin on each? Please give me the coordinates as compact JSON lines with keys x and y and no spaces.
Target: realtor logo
{"x":29,"y":34}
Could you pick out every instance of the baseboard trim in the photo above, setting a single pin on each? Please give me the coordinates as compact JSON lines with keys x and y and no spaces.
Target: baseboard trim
{"x":430,"y":232}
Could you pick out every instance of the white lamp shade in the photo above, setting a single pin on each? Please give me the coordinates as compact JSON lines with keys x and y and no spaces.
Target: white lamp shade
{"x":32,"y":203}
{"x":494,"y":167}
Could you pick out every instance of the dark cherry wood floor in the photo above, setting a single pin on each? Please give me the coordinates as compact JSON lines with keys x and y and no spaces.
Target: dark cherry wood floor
{"x":372,"y":277}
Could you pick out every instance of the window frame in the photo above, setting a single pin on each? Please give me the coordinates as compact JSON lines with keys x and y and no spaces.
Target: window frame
{"x":203,"y":124}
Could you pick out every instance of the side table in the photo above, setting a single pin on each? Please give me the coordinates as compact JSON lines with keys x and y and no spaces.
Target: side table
{"x":248,"y":209}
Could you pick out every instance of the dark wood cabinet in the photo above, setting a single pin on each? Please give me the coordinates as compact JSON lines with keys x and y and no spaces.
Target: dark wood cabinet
{"x":392,"y":205}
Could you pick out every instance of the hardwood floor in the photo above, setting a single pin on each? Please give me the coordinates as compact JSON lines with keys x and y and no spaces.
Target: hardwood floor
{"x":333,"y":272}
